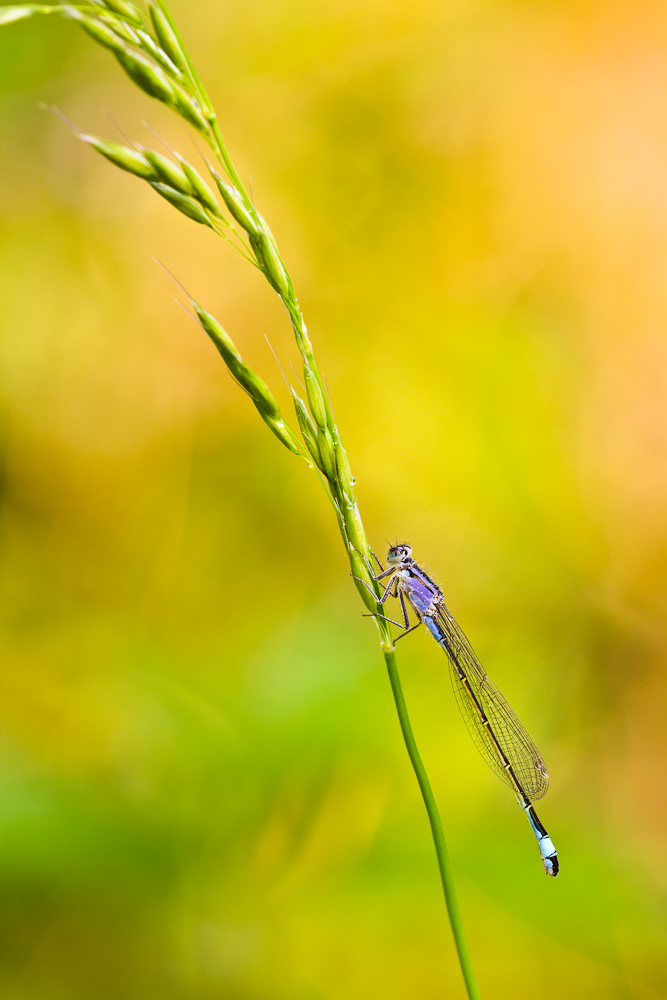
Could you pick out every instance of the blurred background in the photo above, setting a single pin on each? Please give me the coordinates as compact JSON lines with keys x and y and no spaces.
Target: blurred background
{"x":203,"y":789}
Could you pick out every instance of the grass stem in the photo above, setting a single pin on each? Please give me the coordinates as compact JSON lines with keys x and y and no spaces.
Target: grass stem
{"x":444,"y":864}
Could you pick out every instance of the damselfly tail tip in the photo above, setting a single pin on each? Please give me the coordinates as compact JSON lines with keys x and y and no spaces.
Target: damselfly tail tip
{"x":551,"y":866}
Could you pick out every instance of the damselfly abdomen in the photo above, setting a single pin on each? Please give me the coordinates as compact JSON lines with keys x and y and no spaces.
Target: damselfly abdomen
{"x":499,"y":736}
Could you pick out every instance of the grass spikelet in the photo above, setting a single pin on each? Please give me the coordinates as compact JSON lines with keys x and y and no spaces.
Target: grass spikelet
{"x":180,"y":184}
{"x":249,"y":380}
{"x":19,"y":12}
{"x":188,"y":206}
{"x":315,"y":396}
{"x":202,"y":191}
{"x":146,"y":74}
{"x":120,"y":27}
{"x":159,"y":55}
{"x":122,"y":156}
{"x":100,"y":32}
{"x":355,"y":528}
{"x":189,"y":108}
{"x":126,"y":10}
{"x":236,"y":206}
{"x":224,"y":343}
{"x":10,"y":14}
{"x":166,"y":37}
{"x":308,"y":429}
{"x":269,"y":260}
{"x":345,"y":477}
{"x":141,"y":69}
{"x":326,"y":449}
{"x":170,"y":174}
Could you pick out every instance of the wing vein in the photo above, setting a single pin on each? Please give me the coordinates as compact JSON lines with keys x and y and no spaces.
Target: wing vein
{"x":513,"y":740}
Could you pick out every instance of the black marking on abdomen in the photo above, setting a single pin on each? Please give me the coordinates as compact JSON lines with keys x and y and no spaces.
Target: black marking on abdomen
{"x":537,"y":822}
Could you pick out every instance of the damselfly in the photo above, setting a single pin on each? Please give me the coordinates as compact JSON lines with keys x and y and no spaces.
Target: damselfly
{"x":500,"y":738}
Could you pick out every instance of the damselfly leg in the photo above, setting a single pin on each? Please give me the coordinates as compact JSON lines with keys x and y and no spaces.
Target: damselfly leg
{"x":408,"y":628}
{"x":377,"y":561}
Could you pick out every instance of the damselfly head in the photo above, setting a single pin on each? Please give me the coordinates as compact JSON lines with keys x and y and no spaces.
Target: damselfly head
{"x":399,"y":554}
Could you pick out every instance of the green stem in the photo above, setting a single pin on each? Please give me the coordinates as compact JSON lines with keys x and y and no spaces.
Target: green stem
{"x":226,"y":160}
{"x":446,"y":875}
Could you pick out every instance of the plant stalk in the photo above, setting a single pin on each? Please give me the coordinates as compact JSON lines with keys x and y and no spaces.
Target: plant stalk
{"x":446,"y":874}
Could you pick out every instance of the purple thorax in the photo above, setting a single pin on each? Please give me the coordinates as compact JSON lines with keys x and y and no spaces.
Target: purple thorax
{"x":420,"y":594}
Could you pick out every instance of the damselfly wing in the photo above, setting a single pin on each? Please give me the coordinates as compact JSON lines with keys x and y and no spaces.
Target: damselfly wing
{"x":514,"y":742}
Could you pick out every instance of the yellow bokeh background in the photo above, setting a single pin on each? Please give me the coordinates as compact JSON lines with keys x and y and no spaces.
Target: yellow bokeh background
{"x":203,"y":790}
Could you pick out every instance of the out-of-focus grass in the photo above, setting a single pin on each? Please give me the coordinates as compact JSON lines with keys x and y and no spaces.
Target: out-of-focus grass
{"x":203,"y":788}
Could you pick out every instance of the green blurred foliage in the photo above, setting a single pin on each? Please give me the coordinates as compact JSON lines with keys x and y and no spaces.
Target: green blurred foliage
{"x":204,"y":793}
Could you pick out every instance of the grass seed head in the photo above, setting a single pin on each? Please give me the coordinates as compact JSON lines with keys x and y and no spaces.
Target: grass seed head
{"x":188,"y":206}
{"x":284,"y":434}
{"x":248,"y":380}
{"x":119,"y":26}
{"x":355,"y":529}
{"x":126,"y":10}
{"x":345,"y":477}
{"x":202,"y":191}
{"x":166,"y":37}
{"x":269,"y":260}
{"x":315,"y":397}
{"x":156,"y":52}
{"x":308,"y":429}
{"x":97,"y":30}
{"x":303,"y":416}
{"x":124,"y":157}
{"x":218,"y":335}
{"x":188,"y":107}
{"x":169,"y":173}
{"x":147,"y":75}
{"x":326,"y":449}
{"x":143,"y":70}
{"x":17,"y":13}
{"x":258,"y":390}
{"x":235,"y":205}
